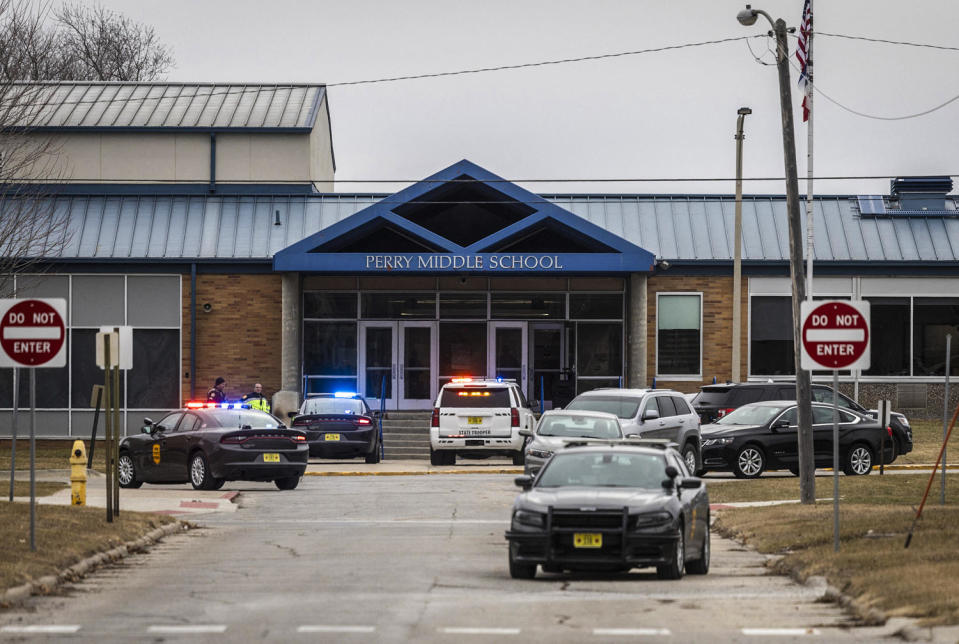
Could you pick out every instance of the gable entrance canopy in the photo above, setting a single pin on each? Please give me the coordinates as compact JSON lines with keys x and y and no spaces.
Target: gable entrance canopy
{"x":464,"y":219}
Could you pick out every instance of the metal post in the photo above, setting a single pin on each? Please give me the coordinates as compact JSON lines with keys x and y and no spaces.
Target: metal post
{"x":738,"y":248}
{"x":382,"y":413}
{"x":108,"y":425}
{"x":93,"y":434}
{"x":810,"y":249}
{"x":13,"y":442}
{"x":33,"y":462}
{"x":835,"y":459}
{"x":945,"y":412}
{"x":115,"y":453}
{"x":542,"y":396}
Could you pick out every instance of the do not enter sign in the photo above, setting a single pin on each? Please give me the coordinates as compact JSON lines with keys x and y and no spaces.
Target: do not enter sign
{"x":33,"y":333}
{"x":835,"y":335}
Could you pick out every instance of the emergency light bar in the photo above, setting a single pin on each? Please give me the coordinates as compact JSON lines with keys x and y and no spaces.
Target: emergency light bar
{"x":345,"y":394}
{"x":197,"y":404}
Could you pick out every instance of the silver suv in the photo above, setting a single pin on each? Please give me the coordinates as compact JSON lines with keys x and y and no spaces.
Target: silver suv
{"x":649,"y":413}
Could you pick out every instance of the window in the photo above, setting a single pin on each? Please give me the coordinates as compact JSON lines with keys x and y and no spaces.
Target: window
{"x":599,"y":350}
{"x":889,"y":344}
{"x":329,"y":348}
{"x":329,"y":305}
{"x":666,"y":407}
{"x":463,"y":305}
{"x":153,"y":383}
{"x":404,"y":306}
{"x":604,"y":306}
{"x":933,"y":319}
{"x":771,"y":337}
{"x":678,"y":334}
{"x":528,"y":306}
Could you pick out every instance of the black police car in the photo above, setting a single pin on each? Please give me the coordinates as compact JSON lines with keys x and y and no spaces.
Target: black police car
{"x":210,"y":443}
{"x":715,"y":401}
{"x":339,"y":425}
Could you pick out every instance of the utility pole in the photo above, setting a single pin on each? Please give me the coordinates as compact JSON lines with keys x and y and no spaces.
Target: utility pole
{"x":807,"y":465}
{"x":738,"y":246}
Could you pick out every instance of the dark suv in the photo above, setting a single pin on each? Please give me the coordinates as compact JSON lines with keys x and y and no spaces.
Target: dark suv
{"x":715,"y":401}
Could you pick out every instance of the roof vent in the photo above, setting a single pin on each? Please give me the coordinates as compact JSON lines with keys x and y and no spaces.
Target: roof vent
{"x":921,"y":193}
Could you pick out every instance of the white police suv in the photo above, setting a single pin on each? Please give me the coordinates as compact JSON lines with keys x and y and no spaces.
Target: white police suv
{"x":479,"y":417}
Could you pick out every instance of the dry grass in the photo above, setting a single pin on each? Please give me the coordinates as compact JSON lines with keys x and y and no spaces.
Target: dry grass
{"x":64,"y":536}
{"x":926,"y":442}
{"x":22,"y":488}
{"x":50,"y":454}
{"x":872,"y":565}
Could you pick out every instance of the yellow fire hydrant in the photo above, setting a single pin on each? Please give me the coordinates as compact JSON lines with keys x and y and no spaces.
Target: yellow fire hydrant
{"x":78,"y":473}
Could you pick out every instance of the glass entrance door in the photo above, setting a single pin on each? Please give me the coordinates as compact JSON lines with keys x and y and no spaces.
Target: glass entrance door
{"x":548,"y":364}
{"x":378,"y":349}
{"x":507,"y":348}
{"x":417,"y":387}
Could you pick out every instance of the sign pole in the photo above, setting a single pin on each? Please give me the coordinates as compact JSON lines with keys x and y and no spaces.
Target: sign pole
{"x":33,"y":462}
{"x":945,"y":411}
{"x":108,"y":426}
{"x":96,"y":419}
{"x":116,"y":436}
{"x":13,"y":442}
{"x":835,"y":459}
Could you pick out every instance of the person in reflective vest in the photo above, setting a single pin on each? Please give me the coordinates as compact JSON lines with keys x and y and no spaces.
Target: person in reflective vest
{"x":256,"y":400}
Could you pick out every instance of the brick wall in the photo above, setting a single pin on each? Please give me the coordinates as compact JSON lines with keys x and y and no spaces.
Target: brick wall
{"x":717,"y":294}
{"x":239,"y":339}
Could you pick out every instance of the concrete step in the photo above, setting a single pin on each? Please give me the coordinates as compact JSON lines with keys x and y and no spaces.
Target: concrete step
{"x":408,"y":415}
{"x":391,"y":422}
{"x":404,"y":453}
{"x":392,"y":429}
{"x":419,"y":438}
{"x":411,"y":444}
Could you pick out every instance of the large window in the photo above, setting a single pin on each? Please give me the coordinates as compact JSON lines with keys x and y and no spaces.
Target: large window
{"x":599,"y":355}
{"x":771,"y":337}
{"x":933,"y":319}
{"x":889,"y":341}
{"x":678,"y":334}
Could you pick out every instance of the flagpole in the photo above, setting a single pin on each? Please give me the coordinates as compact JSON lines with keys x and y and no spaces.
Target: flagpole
{"x":809,"y":159}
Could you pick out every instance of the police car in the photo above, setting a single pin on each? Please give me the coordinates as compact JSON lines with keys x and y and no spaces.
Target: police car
{"x":340,"y":425}
{"x":479,"y":417}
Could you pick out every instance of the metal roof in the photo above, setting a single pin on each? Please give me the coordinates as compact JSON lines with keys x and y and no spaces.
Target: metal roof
{"x":676,"y":228}
{"x":161,"y":106}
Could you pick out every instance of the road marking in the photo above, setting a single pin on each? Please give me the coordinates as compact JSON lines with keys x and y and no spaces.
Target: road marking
{"x":321,"y":628}
{"x":182,"y":630}
{"x":784,"y":632}
{"x":40,"y":628}
{"x":631,"y":631}
{"x":455,"y":630}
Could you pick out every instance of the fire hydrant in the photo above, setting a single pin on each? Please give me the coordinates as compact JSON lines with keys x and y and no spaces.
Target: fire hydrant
{"x":78,"y":473}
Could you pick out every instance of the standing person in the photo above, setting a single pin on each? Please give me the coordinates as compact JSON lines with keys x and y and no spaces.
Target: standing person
{"x":256,"y":398}
{"x":217,"y":394}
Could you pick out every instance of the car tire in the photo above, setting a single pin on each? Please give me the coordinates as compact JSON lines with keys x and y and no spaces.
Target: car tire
{"x":689,"y":456}
{"x":437,"y":458}
{"x":374,"y":457}
{"x":552,"y":569}
{"x":794,"y":471}
{"x":200,"y":472}
{"x":519,"y":457}
{"x":858,"y":460}
{"x":750,"y":462}
{"x":701,"y":566}
{"x":289,"y":483}
{"x":449,"y":458}
{"x":677,"y":566}
{"x":127,"y":472}
{"x":217,"y":484}
{"x":519,"y":570}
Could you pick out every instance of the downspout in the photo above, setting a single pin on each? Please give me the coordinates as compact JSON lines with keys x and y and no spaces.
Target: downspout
{"x":212,"y":161}
{"x":193,"y":331}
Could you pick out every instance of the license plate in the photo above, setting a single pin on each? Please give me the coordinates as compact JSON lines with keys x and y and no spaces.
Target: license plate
{"x":475,"y":420}
{"x":587,"y":540}
{"x":331,"y":437}
{"x":271,"y":458}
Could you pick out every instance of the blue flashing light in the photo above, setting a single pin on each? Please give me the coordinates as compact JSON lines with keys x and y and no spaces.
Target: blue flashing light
{"x":499,"y":378}
{"x":345,"y":394}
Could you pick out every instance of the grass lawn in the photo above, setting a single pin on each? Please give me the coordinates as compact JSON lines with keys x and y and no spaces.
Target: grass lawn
{"x":50,"y":454}
{"x":875,"y":515}
{"x":926,"y":442}
{"x":85,"y":529}
{"x":22,"y":488}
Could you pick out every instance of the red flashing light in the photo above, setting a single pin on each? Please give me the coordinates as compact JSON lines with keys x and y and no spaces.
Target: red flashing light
{"x":723,"y":412}
{"x":435,"y":417}
{"x":463,"y":379}
{"x":362,"y":421}
{"x":472,"y":393}
{"x":513,"y":417}
{"x":300,"y":438}
{"x":195,"y":405}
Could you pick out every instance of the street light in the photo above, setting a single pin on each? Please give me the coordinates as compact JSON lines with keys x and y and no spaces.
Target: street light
{"x":738,"y":245}
{"x":807,"y":468}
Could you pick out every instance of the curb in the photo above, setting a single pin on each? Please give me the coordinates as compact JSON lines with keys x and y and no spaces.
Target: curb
{"x":415,"y":472}
{"x":19,"y":594}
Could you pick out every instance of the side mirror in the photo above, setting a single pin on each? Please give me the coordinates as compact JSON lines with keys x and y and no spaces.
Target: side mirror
{"x":651,"y":414}
{"x":146,"y":429}
{"x":147,"y":421}
{"x":672,"y":473}
{"x":291,"y":414}
{"x":691,"y":484}
{"x":525,"y":482}
{"x":781,"y":424}
{"x":525,"y":432}
{"x":157,"y":429}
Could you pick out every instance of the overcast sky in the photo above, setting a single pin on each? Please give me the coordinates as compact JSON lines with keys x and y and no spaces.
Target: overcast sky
{"x":657,"y":115}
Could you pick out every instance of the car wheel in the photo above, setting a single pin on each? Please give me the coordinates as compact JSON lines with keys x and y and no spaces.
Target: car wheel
{"x":200,"y":472}
{"x":437,"y":458}
{"x":519,"y":457}
{"x":675,"y":568}
{"x":127,"y":472}
{"x":449,"y":458}
{"x":217,"y":484}
{"x":701,"y":566}
{"x":701,"y":472}
{"x":288,"y":483}
{"x":750,"y":462}
{"x":374,"y":456}
{"x":689,"y":455}
{"x":519,"y":570}
{"x":858,"y":460}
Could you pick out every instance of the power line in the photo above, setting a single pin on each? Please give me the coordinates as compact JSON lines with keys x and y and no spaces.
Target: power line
{"x":887,"y":42}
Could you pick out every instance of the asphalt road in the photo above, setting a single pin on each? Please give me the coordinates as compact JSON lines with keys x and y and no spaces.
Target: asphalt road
{"x":406,"y":558}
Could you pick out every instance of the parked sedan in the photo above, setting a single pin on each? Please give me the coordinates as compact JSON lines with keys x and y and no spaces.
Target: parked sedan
{"x":339,"y":425}
{"x":762,"y":436}
{"x":210,"y":443}
{"x":558,"y":427}
{"x":611,"y":507}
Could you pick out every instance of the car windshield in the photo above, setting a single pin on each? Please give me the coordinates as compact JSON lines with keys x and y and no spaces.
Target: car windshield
{"x":750,"y":415}
{"x":604,"y":469}
{"x":475,"y":397}
{"x":712,"y":396}
{"x":617,"y":405}
{"x":579,"y":427}
{"x":332,"y":406}
{"x":246,"y":418}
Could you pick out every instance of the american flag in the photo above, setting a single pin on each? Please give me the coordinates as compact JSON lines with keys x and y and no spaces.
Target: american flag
{"x":805,"y":28}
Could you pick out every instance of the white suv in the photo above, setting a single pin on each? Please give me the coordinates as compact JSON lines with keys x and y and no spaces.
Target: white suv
{"x":479,"y":417}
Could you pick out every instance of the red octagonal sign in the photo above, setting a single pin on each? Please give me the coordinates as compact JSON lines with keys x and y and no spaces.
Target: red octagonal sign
{"x":835,"y":335}
{"x":32,"y":333}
